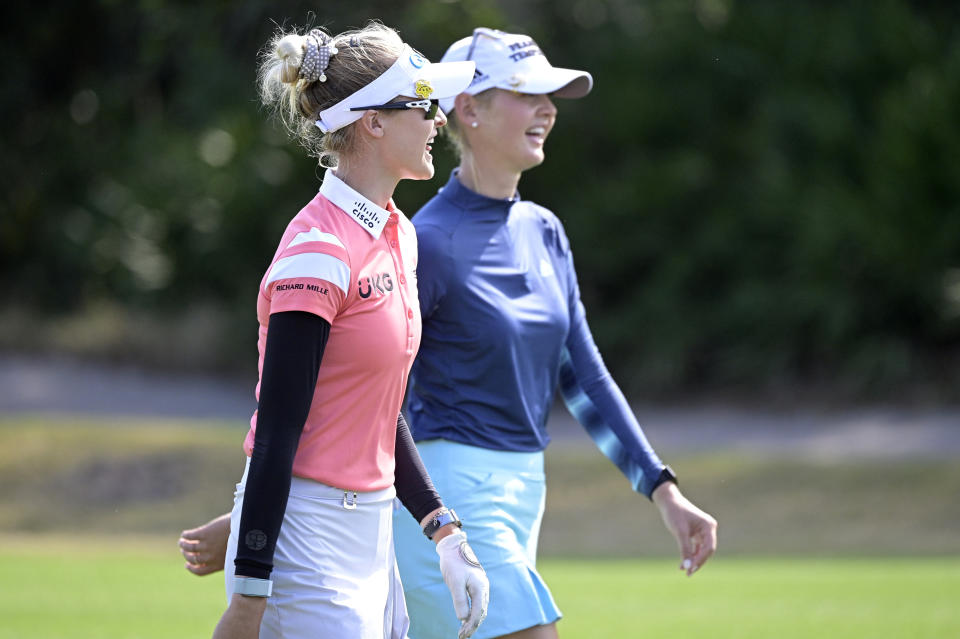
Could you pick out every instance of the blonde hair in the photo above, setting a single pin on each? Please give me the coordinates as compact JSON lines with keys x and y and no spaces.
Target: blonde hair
{"x":453,"y":130}
{"x":362,"y":56}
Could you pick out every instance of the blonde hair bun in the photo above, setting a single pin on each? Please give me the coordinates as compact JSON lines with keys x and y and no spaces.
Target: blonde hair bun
{"x":290,"y":52}
{"x":362,"y":55}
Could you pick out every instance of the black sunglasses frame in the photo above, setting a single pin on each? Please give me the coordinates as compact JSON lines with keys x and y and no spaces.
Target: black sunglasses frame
{"x":479,"y":31}
{"x":429,"y":107}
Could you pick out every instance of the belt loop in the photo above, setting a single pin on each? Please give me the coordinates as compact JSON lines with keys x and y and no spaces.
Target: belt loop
{"x":348,"y":505}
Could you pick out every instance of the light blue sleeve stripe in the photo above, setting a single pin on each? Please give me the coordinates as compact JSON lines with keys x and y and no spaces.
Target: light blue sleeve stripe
{"x":641,"y":469}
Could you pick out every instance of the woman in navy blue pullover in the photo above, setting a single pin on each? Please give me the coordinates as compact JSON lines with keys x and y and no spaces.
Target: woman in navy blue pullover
{"x":503,"y":328}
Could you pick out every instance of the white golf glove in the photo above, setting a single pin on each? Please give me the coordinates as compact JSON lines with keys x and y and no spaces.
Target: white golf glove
{"x":466,"y":580}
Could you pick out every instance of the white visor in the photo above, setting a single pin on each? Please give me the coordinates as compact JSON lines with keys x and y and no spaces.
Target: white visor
{"x":514,"y":62}
{"x":411,"y":75}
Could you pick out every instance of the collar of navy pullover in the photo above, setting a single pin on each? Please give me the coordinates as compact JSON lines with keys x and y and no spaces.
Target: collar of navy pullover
{"x":456,"y":192}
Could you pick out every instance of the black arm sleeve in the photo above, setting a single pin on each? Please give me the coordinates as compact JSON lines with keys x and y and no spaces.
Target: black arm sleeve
{"x":295,"y":343}
{"x":414,"y":488}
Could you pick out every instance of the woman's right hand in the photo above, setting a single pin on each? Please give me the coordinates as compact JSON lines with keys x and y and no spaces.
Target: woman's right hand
{"x":694,"y":530}
{"x":242,"y":618}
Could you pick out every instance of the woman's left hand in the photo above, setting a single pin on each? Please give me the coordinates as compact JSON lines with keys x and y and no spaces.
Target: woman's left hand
{"x":694,"y":530}
{"x":465,"y":578}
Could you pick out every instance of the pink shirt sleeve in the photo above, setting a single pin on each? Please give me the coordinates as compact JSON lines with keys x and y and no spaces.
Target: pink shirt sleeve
{"x":312,"y":274}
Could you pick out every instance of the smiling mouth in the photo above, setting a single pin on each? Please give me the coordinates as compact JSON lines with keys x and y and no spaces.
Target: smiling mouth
{"x":537,"y":132}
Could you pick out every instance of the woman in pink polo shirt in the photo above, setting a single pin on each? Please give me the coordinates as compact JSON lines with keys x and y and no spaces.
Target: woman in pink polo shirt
{"x":311,"y":547}
{"x":493,"y":264}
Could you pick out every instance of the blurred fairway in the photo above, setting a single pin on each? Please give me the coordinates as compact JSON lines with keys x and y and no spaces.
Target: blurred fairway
{"x":135,"y":588}
{"x":160,"y":476}
{"x":90,"y":511}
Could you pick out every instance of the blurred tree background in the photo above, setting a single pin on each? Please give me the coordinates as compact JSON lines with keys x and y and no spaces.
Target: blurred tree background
{"x":762,"y":196}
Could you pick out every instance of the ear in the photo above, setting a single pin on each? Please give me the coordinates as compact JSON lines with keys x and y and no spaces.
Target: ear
{"x":466,"y":107}
{"x":371,"y":124}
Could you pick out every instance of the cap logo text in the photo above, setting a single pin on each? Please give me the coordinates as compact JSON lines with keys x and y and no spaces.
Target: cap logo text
{"x":523,"y":50}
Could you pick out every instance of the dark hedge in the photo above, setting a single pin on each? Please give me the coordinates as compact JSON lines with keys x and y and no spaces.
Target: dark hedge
{"x":760,"y":195}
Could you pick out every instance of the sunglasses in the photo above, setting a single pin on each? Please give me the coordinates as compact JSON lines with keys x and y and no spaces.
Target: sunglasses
{"x":481,"y":31}
{"x":429,"y":107}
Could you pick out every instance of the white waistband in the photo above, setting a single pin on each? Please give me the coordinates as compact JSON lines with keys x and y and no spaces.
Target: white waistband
{"x":304,"y":487}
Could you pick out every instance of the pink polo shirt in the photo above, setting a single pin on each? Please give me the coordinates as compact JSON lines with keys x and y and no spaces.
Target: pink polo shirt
{"x":352,"y":263}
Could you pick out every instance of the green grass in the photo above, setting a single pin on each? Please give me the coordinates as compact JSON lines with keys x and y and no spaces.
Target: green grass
{"x":136,"y":588}
{"x":759,"y":598}
{"x":84,"y":588}
{"x":90,"y":511}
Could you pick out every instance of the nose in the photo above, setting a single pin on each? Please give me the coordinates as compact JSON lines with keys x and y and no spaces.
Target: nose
{"x":440,"y":119}
{"x":546,"y":105}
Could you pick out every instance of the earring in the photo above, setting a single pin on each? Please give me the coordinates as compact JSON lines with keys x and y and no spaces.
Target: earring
{"x":474,"y":124}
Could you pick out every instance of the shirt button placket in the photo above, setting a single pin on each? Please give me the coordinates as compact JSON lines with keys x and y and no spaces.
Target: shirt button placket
{"x":394,"y":243}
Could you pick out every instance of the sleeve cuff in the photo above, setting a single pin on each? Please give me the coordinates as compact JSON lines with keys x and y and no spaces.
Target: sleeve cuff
{"x":666,"y":475}
{"x":244,"y":568}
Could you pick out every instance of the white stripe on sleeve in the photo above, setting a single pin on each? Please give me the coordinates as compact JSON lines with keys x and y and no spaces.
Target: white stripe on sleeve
{"x":318,"y":265}
{"x":316,"y":235}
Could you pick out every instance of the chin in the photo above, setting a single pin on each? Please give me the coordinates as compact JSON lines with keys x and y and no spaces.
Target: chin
{"x":535,"y":160}
{"x":425,"y":173}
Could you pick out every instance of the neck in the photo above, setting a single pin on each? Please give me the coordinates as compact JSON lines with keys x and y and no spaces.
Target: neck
{"x":487,"y":178}
{"x":368,"y":179}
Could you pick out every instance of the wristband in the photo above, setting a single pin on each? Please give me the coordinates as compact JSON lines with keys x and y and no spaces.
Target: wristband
{"x":666,"y":475}
{"x":442,"y":518}
{"x":252,"y":587}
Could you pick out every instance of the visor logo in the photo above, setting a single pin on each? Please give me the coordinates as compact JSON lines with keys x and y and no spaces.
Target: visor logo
{"x":423,"y":89}
{"x":416,"y":60}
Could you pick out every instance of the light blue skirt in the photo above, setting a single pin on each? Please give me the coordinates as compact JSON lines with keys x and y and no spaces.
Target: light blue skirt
{"x":500,"y":497}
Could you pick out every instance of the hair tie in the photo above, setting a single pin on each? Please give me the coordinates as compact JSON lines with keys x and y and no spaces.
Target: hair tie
{"x":316,"y":58}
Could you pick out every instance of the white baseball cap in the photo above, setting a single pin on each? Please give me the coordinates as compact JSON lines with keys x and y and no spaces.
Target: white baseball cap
{"x":411,"y":75}
{"x":514,"y":62}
